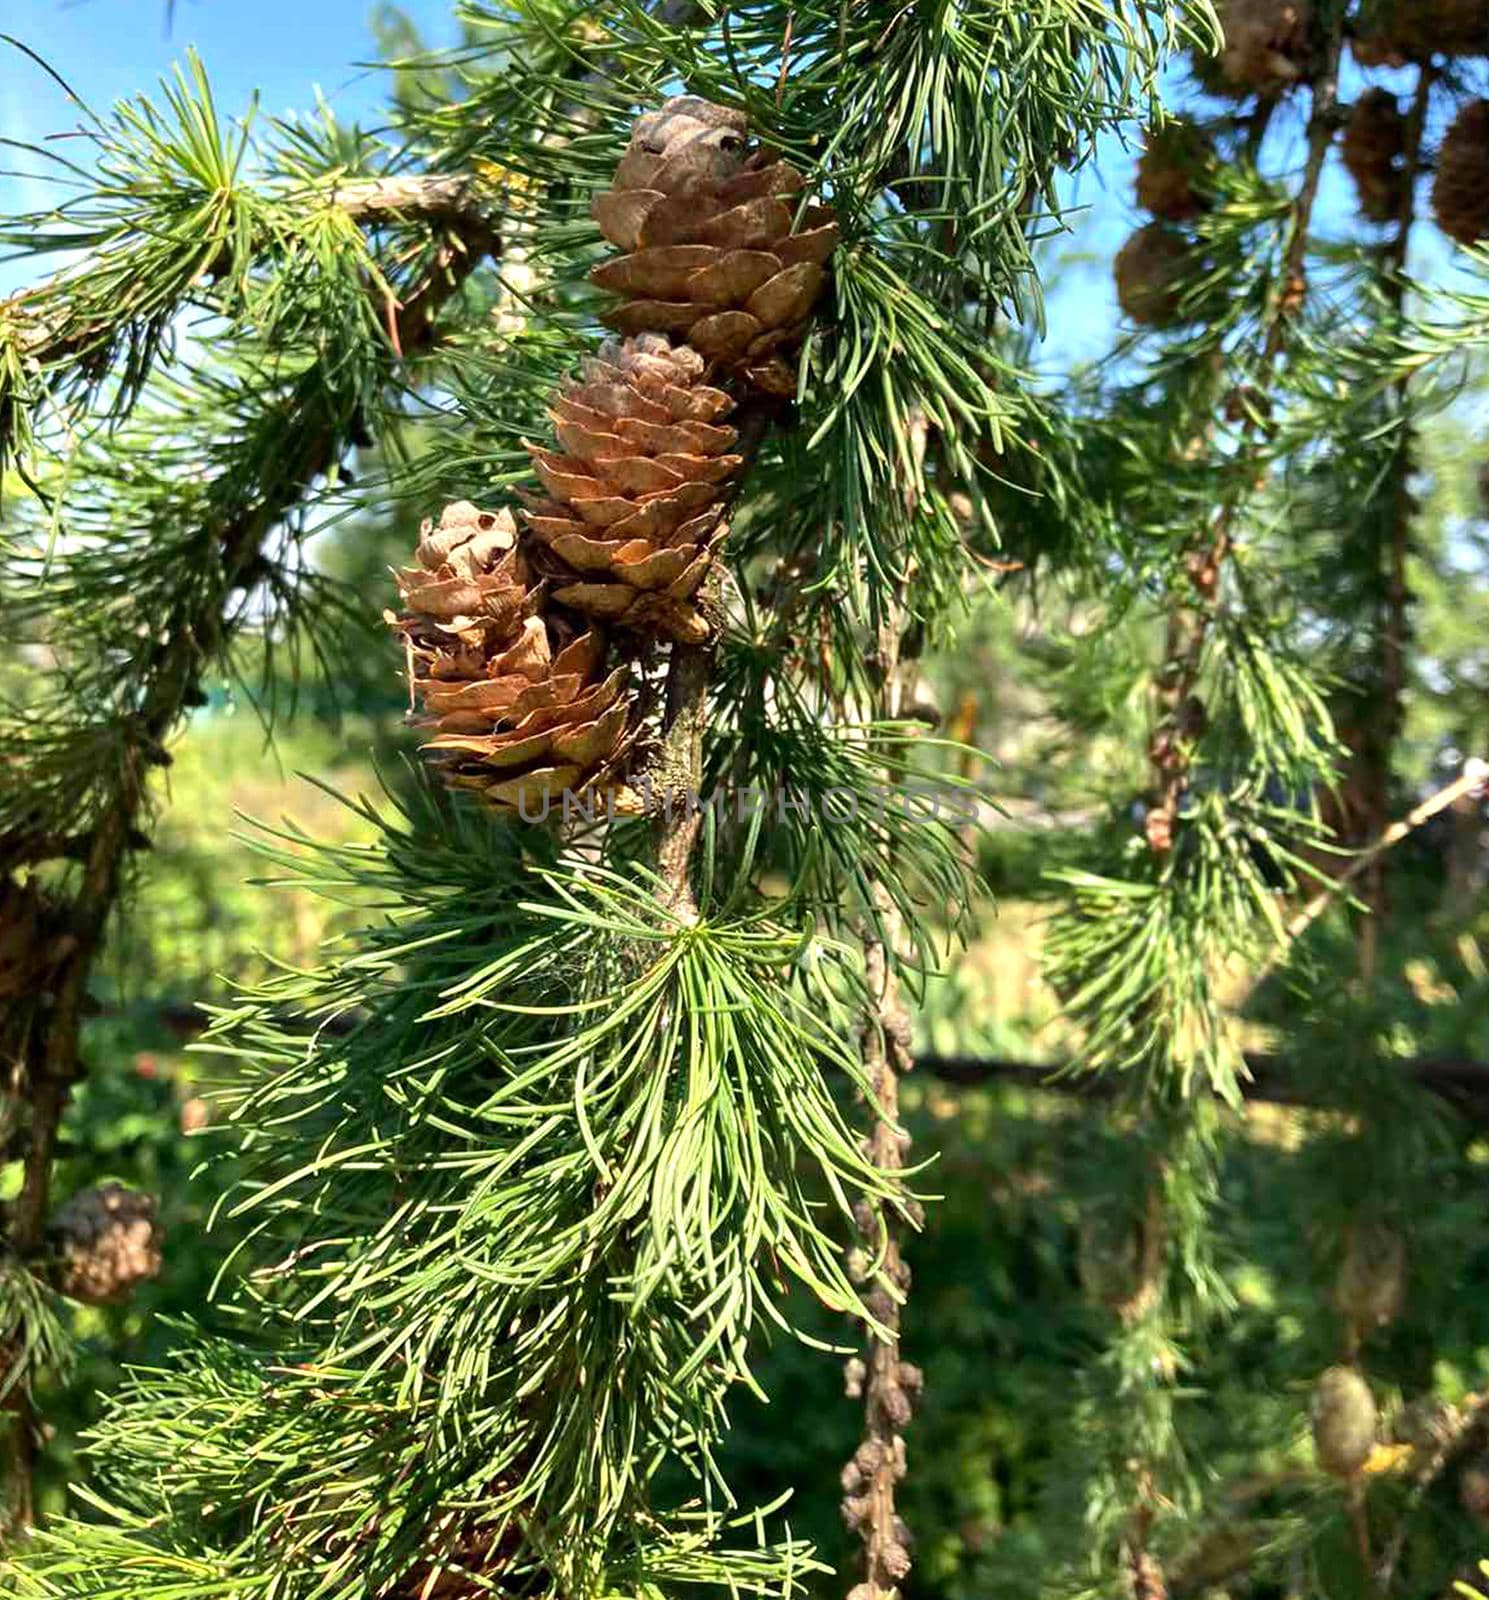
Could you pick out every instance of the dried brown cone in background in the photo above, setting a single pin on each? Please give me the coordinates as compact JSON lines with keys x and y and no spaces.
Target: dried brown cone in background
{"x":1427,"y":1424}
{"x":1393,"y":32}
{"x":714,"y":255}
{"x":1266,"y":44}
{"x":1171,"y":171}
{"x":1373,"y":150}
{"x":107,"y":1244}
{"x":1150,"y":270}
{"x":1344,"y":1422}
{"x":635,"y":504}
{"x":33,"y":938}
{"x":1371,"y":1284}
{"x":468,"y":1559}
{"x":512,"y":687}
{"x":1473,"y":1490}
{"x":1460,"y":194}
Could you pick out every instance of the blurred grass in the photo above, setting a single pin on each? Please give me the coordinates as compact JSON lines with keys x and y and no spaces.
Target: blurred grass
{"x":197,"y":918}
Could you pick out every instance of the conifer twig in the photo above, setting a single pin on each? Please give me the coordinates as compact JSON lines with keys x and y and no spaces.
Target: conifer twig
{"x":685,"y":719}
{"x":685,"y":712}
{"x":1189,"y":628}
{"x":888,"y":1384}
{"x":447,"y":200}
{"x":1182,"y":718}
{"x":52,"y":1064}
{"x":1268,"y":1080}
{"x":1470,"y":781}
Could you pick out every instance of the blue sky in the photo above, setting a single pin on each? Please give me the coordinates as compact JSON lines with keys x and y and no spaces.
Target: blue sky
{"x":288,"y":50}
{"x":111,"y":49}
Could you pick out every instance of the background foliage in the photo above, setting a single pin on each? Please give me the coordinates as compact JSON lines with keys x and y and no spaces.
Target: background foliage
{"x":1047,"y":668}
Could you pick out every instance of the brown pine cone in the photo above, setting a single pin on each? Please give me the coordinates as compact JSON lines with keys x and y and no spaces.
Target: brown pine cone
{"x":107,"y":1244}
{"x":1426,"y":1424}
{"x":714,"y":256}
{"x":1344,"y":1421}
{"x":635,"y":504}
{"x":1374,"y":50}
{"x":1171,"y":171}
{"x":1473,"y":1490}
{"x":462,"y":1552}
{"x":1148,"y":1582}
{"x":1150,"y":270}
{"x":514,"y":690}
{"x":1371,"y":1284}
{"x":1393,"y":32}
{"x":33,"y":938}
{"x":1373,"y":150}
{"x":1266,"y":43}
{"x":1460,"y":194}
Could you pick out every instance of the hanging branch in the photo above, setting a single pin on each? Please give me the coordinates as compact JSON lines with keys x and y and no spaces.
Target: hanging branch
{"x":1394,"y":623}
{"x":1189,"y":626}
{"x":1135,"y":960}
{"x":889,"y":1386}
{"x":517,"y":1227}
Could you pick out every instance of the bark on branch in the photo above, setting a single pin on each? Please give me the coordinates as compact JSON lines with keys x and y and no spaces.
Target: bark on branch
{"x":1461,"y":1083}
{"x":452,"y":201}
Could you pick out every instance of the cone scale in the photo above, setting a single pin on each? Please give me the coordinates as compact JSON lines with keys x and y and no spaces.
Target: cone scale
{"x":714,"y":252}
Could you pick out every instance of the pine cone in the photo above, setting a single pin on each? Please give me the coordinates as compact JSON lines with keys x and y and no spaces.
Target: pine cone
{"x":1119,"y":1259}
{"x":635,"y":507}
{"x":713,"y":254}
{"x":1393,"y":32}
{"x":1373,"y":150}
{"x":107,"y":1244}
{"x":1460,"y":194}
{"x":1148,"y":1582}
{"x":1171,"y":171}
{"x":1372,"y":1277}
{"x":896,"y":1560}
{"x":1343,"y":1421}
{"x":461,"y":1553}
{"x":33,"y":938}
{"x":1473,"y":1490}
{"x":1266,"y":43}
{"x":1150,"y":270}
{"x":514,"y":690}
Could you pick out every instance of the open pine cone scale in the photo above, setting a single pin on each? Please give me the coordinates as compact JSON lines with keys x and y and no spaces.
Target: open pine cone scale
{"x":1391,"y":33}
{"x":514,"y":690}
{"x":716,"y":253}
{"x":1460,"y":191}
{"x":635,"y":504}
